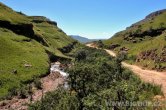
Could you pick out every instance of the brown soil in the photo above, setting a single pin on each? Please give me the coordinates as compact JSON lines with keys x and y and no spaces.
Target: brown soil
{"x":49,"y":83}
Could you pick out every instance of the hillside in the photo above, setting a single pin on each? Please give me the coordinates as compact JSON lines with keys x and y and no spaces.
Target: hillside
{"x":144,"y":42}
{"x":27,"y":45}
{"x":83,"y":39}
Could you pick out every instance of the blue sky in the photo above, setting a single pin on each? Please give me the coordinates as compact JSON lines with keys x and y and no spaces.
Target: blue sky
{"x":89,"y":18}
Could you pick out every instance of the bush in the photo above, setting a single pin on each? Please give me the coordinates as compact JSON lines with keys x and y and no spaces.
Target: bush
{"x":100,"y":44}
{"x":80,"y":55}
{"x":12,"y":92}
{"x":95,"y":80}
{"x":23,"y":92}
{"x":57,"y":100}
{"x":132,"y":58}
{"x":38,"y":83}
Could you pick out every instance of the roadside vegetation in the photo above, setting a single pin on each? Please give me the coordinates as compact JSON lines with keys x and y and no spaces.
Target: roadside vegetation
{"x":95,"y":80}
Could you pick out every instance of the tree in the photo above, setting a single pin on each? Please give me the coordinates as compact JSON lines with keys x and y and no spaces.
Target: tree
{"x":80,"y":55}
{"x":100,"y":44}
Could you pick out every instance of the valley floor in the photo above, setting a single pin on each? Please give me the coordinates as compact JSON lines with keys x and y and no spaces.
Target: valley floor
{"x":150,"y":76}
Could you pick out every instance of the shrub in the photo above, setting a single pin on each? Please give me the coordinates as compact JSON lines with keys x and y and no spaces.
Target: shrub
{"x":12,"y":92}
{"x":57,"y":100}
{"x":38,"y":83}
{"x":95,"y":80}
{"x":80,"y":55}
{"x":100,"y":44}
{"x":122,"y":56}
{"x":132,"y":58}
{"x":23,"y":92}
{"x":161,"y":25}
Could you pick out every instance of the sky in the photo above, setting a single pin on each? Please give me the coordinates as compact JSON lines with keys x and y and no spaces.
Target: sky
{"x":89,"y":18}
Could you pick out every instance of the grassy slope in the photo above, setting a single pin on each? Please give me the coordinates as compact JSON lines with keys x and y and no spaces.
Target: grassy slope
{"x":55,"y":38}
{"x":15,"y":51}
{"x":147,"y":43}
{"x":14,"y":54}
{"x":8,"y":14}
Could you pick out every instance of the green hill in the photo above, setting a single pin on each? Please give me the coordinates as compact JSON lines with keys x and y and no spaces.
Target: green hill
{"x":27,"y":44}
{"x":144,"y":42}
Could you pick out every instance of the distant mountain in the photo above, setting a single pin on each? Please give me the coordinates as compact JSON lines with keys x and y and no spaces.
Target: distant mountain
{"x":83,"y":39}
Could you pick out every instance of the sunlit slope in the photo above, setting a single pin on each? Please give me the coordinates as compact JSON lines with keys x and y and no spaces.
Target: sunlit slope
{"x":144,"y":41}
{"x":26,"y":45}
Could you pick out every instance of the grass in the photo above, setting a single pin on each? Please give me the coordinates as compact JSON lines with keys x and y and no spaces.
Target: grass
{"x":16,"y":51}
{"x":7,"y":14}
{"x":147,"y":43}
{"x":54,"y":36}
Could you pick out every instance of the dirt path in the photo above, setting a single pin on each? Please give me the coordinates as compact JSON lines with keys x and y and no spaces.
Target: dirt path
{"x":49,"y":83}
{"x":150,"y":76}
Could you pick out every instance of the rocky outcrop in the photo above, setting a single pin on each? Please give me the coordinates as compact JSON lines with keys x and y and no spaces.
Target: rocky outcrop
{"x":154,"y":14}
{"x":113,"y":46}
{"x":49,"y":22}
{"x":124,"y":49}
{"x":149,"y":54}
{"x":135,"y":37}
{"x":23,"y":29}
{"x":150,"y":32}
{"x":68,"y":48}
{"x":148,"y":18}
{"x":152,"y":55}
{"x":40,"y":19}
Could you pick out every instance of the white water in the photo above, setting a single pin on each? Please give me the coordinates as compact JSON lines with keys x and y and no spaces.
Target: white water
{"x":56,"y":68}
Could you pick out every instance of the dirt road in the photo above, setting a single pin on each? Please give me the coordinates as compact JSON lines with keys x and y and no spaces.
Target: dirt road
{"x":150,"y":76}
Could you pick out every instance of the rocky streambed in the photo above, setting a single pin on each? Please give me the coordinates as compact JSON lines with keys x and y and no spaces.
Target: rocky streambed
{"x":49,"y":83}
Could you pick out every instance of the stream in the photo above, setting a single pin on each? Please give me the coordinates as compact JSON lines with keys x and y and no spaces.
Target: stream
{"x":56,"y":68}
{"x":50,"y":83}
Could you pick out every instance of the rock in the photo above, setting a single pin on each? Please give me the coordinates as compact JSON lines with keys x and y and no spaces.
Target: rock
{"x":67,"y":48}
{"x":134,"y":41}
{"x":113,"y":46}
{"x":14,"y":71}
{"x":155,"y":14}
{"x":4,"y":103}
{"x":149,"y":54}
{"x":55,"y":75}
{"x":124,"y":49}
{"x":138,"y":60}
{"x":27,"y":65}
{"x":23,"y":29}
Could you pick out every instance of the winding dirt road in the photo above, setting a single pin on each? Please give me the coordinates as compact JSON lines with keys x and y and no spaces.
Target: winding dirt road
{"x":154,"y":77}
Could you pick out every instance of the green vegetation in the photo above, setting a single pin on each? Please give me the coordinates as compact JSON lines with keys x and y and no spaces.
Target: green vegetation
{"x":30,"y":43}
{"x":7,"y":14}
{"x":100,"y":44}
{"x":15,"y":54}
{"x":146,"y":35}
{"x":27,"y":44}
{"x":38,"y":83}
{"x":95,"y":81}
